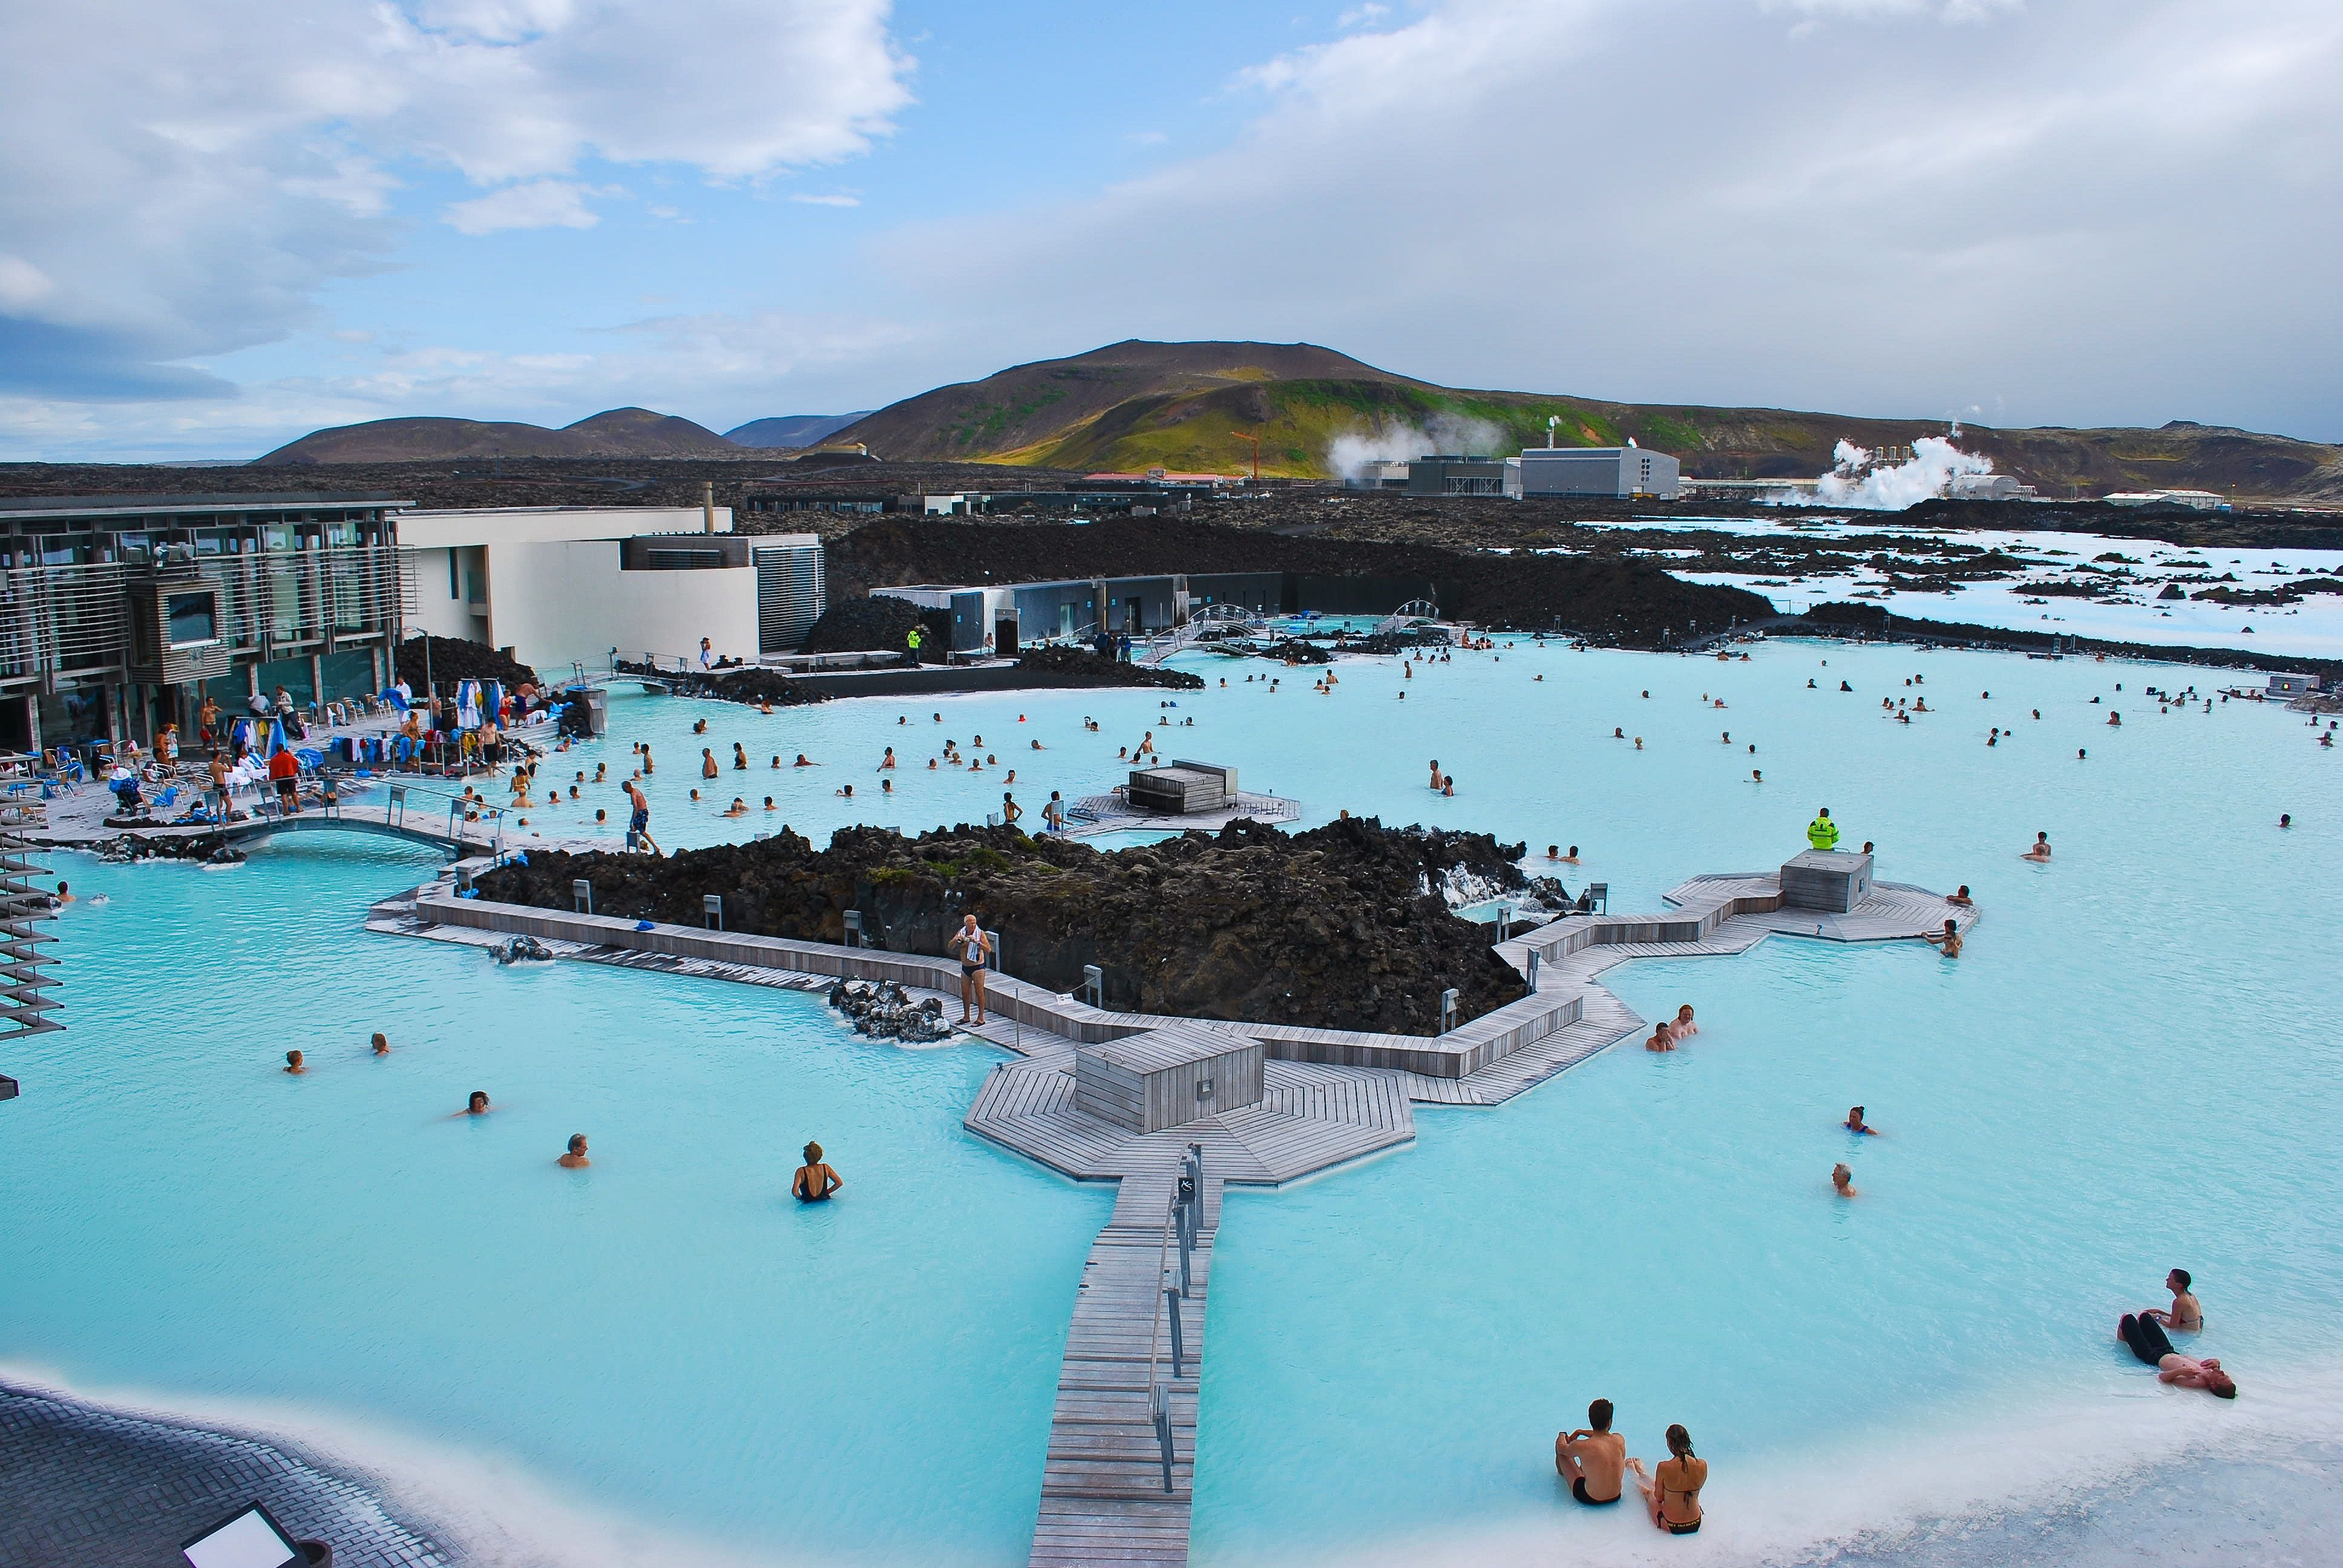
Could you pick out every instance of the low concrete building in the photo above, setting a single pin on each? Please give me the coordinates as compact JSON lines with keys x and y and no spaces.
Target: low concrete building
{"x":1988,"y":488}
{"x":565,"y":585}
{"x":1620,"y":473}
{"x":2200,"y":501}
{"x":1075,"y":609}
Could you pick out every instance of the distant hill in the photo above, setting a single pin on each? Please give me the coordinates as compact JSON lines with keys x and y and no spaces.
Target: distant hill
{"x":1134,"y":406}
{"x":788,"y":430}
{"x":618,"y":433}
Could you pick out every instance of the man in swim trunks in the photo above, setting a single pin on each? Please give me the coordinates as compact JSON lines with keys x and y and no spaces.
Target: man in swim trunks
{"x":2148,"y":1345}
{"x":815,"y":1181}
{"x":2187,"y":1315}
{"x":1592,"y":1459}
{"x":972,"y":947}
{"x":639,"y":823}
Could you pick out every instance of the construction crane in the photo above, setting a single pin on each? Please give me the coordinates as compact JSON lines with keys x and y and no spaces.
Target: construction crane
{"x":1255,"y":440}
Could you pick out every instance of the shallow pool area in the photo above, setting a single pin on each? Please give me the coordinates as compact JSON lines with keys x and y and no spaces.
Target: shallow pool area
{"x":2132,"y":1067}
{"x":665,"y":1338}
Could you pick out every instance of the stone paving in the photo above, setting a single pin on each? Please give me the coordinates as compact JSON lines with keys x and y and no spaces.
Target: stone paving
{"x":87,"y":1486}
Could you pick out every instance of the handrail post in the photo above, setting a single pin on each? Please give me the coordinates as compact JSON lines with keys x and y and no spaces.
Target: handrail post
{"x":1179,"y":1343}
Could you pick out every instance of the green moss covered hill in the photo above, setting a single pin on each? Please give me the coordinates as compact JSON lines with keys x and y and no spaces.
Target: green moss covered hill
{"x":1136,"y":405}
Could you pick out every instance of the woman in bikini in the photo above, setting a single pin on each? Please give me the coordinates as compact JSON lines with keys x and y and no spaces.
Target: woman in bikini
{"x":1674,"y":1490}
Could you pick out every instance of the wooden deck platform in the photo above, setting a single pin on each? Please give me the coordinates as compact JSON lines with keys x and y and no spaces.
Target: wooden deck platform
{"x":1330,"y":1096}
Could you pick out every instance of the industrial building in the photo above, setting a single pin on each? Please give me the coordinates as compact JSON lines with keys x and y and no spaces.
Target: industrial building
{"x":120,"y":613}
{"x":1619,"y":473}
{"x":564,"y":584}
{"x":1456,"y":476}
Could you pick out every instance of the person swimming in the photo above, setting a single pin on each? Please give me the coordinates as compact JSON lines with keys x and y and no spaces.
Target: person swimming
{"x":478,"y":1105}
{"x":815,"y":1182}
{"x":296,"y":1063}
{"x":1672,"y":1490}
{"x":1961,"y":899}
{"x":739,"y":807}
{"x":1662,"y":1039}
{"x":1843,"y":1181}
{"x":1684,"y":1028}
{"x":2041,"y":850}
{"x":1855,"y":1124}
{"x":576,"y":1159}
{"x":381,"y":1044}
{"x":1949,"y":940}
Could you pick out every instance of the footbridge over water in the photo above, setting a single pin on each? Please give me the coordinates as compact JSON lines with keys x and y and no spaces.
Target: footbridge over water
{"x":414,"y":816}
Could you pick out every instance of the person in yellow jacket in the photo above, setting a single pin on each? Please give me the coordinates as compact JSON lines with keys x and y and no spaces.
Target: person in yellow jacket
{"x":1822,"y":832}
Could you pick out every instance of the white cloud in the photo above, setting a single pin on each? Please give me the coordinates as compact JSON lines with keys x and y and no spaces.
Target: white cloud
{"x":1362,"y":16}
{"x":2108,"y":210}
{"x":833,"y":199}
{"x":533,"y":203}
{"x":189,"y":176}
{"x":22,"y":284}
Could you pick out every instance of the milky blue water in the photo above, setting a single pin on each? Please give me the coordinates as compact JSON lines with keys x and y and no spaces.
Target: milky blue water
{"x":2132,"y":1067}
{"x":667,"y":1335}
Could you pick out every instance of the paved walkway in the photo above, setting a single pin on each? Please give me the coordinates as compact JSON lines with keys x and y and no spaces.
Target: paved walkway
{"x":87,"y":1486}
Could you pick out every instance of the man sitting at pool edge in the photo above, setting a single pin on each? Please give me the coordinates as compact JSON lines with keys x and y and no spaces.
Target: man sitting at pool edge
{"x":1594,"y":1458}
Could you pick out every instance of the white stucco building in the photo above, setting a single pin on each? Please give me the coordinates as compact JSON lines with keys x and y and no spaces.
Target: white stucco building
{"x":564,"y":584}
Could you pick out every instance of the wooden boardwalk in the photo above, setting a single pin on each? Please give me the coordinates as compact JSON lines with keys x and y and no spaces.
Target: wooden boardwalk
{"x":1330,"y":1096}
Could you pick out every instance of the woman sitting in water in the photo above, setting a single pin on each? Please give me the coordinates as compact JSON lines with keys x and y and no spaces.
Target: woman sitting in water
{"x":1683,"y":1027}
{"x":815,"y":1181}
{"x":1673,"y":1491}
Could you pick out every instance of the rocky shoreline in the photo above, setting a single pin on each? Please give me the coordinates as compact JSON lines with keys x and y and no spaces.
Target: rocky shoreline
{"x":1341,"y":926}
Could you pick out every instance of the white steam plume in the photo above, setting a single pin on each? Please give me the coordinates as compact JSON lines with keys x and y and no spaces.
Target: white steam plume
{"x":1348,"y":455}
{"x":1936,"y":462}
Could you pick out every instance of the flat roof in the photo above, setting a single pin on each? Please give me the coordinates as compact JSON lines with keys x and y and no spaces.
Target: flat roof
{"x":248,"y":501}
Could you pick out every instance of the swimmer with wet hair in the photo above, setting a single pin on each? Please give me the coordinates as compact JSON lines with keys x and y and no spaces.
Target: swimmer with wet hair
{"x":1662,"y":1039}
{"x":1961,"y":899}
{"x":1843,"y":1181}
{"x":1949,"y":940}
{"x":576,"y":1159}
{"x":1683,"y":1028}
{"x":2041,"y":850}
{"x":1856,"y":1123}
{"x":381,"y":1044}
{"x":478,"y":1105}
{"x":296,"y":1063}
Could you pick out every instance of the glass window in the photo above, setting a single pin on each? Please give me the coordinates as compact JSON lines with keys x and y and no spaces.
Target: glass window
{"x":194,"y":619}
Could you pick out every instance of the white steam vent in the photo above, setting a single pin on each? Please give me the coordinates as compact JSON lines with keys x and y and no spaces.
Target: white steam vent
{"x":1935,"y":463}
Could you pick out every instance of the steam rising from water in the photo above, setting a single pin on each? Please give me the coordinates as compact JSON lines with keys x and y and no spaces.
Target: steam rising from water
{"x":1936,"y":462}
{"x":1349,"y":454}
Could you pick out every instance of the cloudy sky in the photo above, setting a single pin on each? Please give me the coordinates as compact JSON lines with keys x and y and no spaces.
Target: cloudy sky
{"x":224,"y":224}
